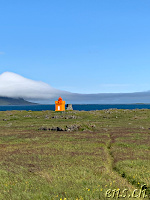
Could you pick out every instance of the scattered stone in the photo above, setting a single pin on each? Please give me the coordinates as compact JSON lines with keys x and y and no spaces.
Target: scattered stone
{"x":27,"y":116}
{"x":56,"y":129}
{"x":70,"y":128}
{"x":46,"y":116}
{"x":64,"y":117}
{"x":43,"y":129}
{"x":56,"y":117}
{"x":59,"y":129}
{"x":53,"y":129}
{"x":71,"y":117}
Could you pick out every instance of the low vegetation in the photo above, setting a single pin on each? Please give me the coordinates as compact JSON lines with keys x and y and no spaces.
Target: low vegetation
{"x":76,"y":155}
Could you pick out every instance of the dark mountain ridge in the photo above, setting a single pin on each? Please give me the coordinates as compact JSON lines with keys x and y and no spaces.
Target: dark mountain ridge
{"x":4,"y":101}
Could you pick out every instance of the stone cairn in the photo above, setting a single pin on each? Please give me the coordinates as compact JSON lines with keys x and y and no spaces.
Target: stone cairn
{"x":69,"y":107}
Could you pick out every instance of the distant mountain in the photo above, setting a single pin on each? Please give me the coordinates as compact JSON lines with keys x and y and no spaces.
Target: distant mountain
{"x":4,"y":101}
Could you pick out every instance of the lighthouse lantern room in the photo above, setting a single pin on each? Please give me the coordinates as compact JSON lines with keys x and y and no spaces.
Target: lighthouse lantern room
{"x":60,"y":105}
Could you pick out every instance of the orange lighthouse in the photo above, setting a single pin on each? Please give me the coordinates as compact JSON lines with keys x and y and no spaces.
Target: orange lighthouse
{"x":60,"y":105}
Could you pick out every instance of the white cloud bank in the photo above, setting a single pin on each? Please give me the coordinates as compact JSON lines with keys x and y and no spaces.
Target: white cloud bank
{"x":16,"y":86}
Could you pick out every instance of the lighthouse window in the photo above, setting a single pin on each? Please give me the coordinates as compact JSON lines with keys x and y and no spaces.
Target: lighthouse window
{"x":58,"y":107}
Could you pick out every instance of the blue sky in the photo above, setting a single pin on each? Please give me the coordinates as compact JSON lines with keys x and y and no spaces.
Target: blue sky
{"x":81,"y":46}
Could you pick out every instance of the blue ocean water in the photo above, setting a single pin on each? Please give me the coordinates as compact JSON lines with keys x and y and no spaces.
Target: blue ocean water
{"x":85,"y":107}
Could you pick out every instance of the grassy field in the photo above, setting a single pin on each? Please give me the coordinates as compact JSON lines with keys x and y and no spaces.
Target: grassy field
{"x":75,"y":155}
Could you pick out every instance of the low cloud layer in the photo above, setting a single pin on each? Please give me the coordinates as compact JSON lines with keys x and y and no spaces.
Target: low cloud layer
{"x":16,"y":86}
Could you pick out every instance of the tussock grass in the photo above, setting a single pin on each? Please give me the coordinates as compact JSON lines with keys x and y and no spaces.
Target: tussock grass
{"x":110,"y":150}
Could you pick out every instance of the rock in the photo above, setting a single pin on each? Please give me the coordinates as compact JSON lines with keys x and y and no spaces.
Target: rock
{"x":27,"y":116}
{"x":64,"y":117}
{"x":43,"y":129}
{"x":59,"y":129}
{"x":69,"y":107}
{"x":56,"y":117}
{"x":72,"y":117}
{"x":53,"y":129}
{"x":56,"y":129}
{"x":46,"y":116}
{"x":70,"y":128}
{"x":73,"y":127}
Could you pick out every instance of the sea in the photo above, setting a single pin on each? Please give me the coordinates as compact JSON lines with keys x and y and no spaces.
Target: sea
{"x":84,"y":107}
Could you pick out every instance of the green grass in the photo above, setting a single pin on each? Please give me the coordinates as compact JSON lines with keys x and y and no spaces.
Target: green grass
{"x":110,"y":150}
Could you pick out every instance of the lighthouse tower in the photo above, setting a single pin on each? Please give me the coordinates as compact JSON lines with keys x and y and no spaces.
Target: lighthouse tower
{"x":60,"y":105}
